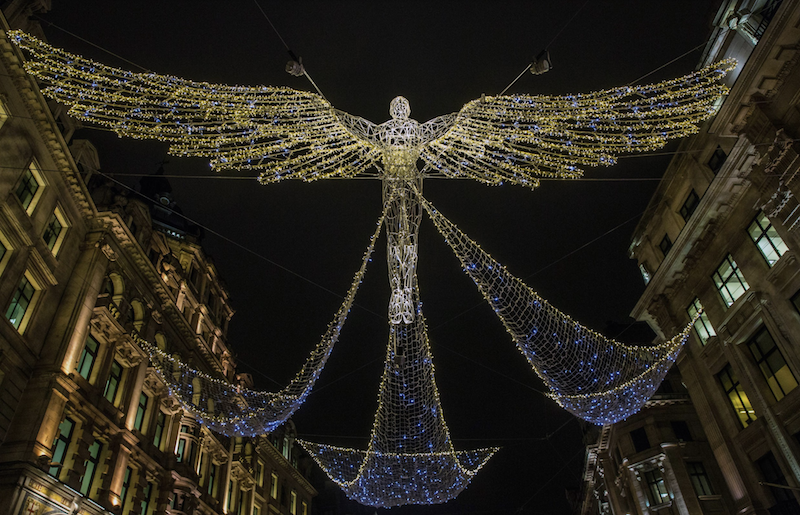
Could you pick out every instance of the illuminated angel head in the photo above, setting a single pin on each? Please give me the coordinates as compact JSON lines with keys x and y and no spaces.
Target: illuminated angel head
{"x":400,"y":109}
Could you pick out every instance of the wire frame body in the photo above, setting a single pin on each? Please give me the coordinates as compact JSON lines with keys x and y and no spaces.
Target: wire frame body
{"x":593,"y":377}
{"x":410,"y":458}
{"x":233,"y":410}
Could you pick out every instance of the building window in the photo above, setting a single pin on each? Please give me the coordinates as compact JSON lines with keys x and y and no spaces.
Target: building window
{"x":293,"y":503}
{"x":645,"y":273}
{"x":141,"y":409}
{"x":717,"y":159}
{"x":186,"y":445}
{"x":730,"y":282}
{"x":304,"y":508}
{"x":147,"y":496}
{"x":88,"y":357}
{"x":18,"y":311}
{"x":689,"y":205}
{"x":640,"y":440}
{"x":29,"y":189}
{"x":785,"y":501}
{"x":665,"y":245}
{"x":737,"y":396}
{"x":767,"y":239}
{"x":126,"y":484}
{"x":699,"y":477}
{"x":212,"y":478}
{"x":55,"y":231}
{"x":230,"y":495}
{"x":256,"y":510}
{"x":60,"y":445}
{"x":91,"y":464}
{"x":702,"y":326}
{"x":260,"y":473}
{"x":681,"y":430}
{"x":112,"y":385}
{"x":772,"y":364}
{"x":273,"y":487}
{"x":161,"y":422}
{"x":656,"y":489}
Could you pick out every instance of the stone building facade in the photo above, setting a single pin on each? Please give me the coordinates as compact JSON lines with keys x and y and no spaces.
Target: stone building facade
{"x":87,"y":426}
{"x":721,"y":234}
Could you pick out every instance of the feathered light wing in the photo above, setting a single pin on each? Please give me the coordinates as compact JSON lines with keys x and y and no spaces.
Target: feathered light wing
{"x":521,"y":138}
{"x":280,"y":132}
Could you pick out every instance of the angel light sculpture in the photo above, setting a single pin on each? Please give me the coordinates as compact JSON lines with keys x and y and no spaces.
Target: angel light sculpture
{"x":288,"y":134}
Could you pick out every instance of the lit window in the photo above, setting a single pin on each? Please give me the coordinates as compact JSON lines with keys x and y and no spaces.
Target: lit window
{"x":60,"y":445}
{"x":645,"y":273}
{"x":656,"y":489}
{"x":260,"y":473}
{"x":141,"y":409}
{"x":18,"y":311}
{"x":88,"y":357}
{"x":730,"y":282}
{"x":700,"y":481}
{"x":55,"y":231}
{"x":702,"y":326}
{"x":293,"y":503}
{"x":689,"y":205}
{"x":126,"y":484}
{"x":304,"y":510}
{"x":772,"y":364}
{"x":256,"y":510}
{"x":161,"y":422}
{"x":112,"y":384}
{"x":767,"y":239}
{"x":665,"y":245}
{"x":737,"y":396}
{"x":717,"y":160}
{"x":273,"y":487}
{"x":30,"y":187}
{"x":91,"y":464}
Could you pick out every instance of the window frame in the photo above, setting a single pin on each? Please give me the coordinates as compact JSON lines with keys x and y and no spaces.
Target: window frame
{"x":94,"y":461}
{"x":665,"y":245}
{"x":723,"y":282}
{"x":117,"y":378}
{"x":139,"y":422}
{"x":57,"y":242}
{"x":93,"y":353}
{"x":744,"y":399}
{"x":66,"y":441}
{"x":773,"y":241}
{"x":699,"y":478}
{"x":702,"y":321}
{"x":34,"y":170}
{"x":30,"y":305}
{"x":765,"y":360}
{"x":687,"y":210}
{"x":654,"y":481}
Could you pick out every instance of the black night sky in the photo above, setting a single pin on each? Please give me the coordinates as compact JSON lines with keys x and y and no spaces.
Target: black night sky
{"x":439,"y":55}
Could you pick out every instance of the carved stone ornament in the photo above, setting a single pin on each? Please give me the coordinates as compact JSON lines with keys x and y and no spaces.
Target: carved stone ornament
{"x":109,"y":252}
{"x":157,"y":317}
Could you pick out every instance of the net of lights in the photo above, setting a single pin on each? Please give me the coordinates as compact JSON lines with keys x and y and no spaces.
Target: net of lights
{"x":233,"y":410}
{"x":410,"y":458}
{"x":593,"y":377}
